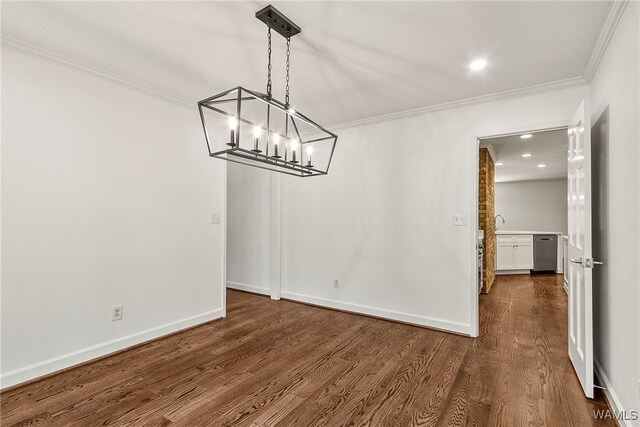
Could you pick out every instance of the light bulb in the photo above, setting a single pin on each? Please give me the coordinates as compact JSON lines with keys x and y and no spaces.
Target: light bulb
{"x":309,"y":151}
{"x":233,"y":123}
{"x":257,"y":131}
{"x":293,"y":144}
{"x":275,"y":138}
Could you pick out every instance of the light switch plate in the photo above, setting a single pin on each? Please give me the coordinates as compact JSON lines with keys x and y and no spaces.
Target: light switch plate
{"x":459,"y":219}
{"x":216,"y":218}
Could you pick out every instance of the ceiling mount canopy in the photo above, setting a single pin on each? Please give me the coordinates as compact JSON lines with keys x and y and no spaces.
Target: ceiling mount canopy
{"x":253,"y":128}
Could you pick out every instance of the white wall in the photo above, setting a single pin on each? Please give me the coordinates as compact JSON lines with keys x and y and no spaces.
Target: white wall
{"x":533,"y":205}
{"x":381,"y":221}
{"x":107,"y":196}
{"x":248,"y":238}
{"x":615,"y":93}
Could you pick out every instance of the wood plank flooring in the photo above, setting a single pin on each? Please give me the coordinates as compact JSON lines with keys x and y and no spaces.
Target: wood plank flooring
{"x":278,"y":363}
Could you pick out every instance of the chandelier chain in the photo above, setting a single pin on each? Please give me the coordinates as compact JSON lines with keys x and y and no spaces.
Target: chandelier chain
{"x":275,"y":144}
{"x":286,"y":96}
{"x":269,"y":65}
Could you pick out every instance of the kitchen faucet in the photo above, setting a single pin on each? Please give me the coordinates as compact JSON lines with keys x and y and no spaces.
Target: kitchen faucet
{"x":496,"y":221}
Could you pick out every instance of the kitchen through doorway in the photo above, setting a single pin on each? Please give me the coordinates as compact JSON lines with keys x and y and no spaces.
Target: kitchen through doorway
{"x":522,"y":206}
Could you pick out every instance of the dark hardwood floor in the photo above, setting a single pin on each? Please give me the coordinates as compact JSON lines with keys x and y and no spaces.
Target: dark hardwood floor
{"x":281,"y":363}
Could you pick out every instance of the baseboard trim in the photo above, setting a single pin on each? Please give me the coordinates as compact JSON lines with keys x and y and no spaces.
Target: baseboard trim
{"x":511,"y":272}
{"x":382,"y":313}
{"x":249,"y":288}
{"x":46,"y":368}
{"x":610,"y":394}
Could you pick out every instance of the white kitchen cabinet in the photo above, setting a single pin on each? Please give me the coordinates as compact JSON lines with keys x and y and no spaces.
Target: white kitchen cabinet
{"x":524,"y":256}
{"x":514,"y":252}
{"x":505,"y":256}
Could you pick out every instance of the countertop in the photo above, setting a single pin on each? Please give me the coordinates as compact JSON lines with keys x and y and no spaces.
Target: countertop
{"x":527,"y":232}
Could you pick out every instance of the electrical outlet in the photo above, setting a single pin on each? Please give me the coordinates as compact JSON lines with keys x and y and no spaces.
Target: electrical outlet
{"x":336,"y":283}
{"x":216,"y":218}
{"x":116,"y":312}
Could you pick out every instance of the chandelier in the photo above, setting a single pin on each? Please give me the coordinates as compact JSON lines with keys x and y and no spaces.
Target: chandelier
{"x":253,"y":128}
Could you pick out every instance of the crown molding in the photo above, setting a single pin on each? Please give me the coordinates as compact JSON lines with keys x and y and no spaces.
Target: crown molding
{"x":607,"y":28}
{"x":482,"y":99}
{"x":57,"y":59}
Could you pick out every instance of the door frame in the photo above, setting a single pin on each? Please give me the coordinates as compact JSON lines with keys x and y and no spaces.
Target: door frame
{"x":473,"y":220}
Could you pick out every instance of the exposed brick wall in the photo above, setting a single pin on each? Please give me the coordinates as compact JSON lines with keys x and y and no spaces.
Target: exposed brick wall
{"x":486,"y":214}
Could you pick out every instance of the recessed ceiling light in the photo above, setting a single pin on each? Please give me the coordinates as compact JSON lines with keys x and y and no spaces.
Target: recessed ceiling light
{"x":478,"y":65}
{"x":526,"y":136}
{"x":499,"y":163}
{"x":542,"y":165}
{"x":527,"y":155}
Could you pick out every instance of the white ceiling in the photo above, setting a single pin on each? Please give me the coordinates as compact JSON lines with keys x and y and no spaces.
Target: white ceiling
{"x":352,"y":60}
{"x":549,"y":148}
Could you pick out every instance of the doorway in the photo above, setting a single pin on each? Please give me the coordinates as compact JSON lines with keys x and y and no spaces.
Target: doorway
{"x":520,"y":253}
{"x":523,"y":212}
{"x":522,"y":204}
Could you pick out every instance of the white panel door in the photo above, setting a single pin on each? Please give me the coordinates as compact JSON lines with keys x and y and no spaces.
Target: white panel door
{"x":505,"y":256}
{"x":579,"y":248}
{"x":524,"y":256}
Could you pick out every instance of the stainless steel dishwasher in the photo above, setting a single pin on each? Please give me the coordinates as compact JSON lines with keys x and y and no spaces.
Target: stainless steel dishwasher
{"x":545,"y":252}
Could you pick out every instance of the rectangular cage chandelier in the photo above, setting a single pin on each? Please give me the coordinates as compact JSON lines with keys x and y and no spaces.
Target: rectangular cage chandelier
{"x":255,"y":129}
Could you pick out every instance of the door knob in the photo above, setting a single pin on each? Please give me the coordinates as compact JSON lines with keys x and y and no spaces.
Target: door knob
{"x":587,"y":263}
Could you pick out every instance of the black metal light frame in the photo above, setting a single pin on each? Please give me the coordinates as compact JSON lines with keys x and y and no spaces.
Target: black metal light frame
{"x":244,"y":154}
{"x":238,"y":153}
